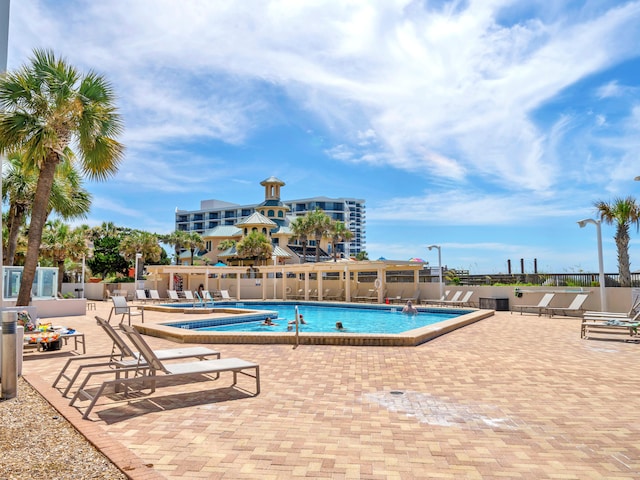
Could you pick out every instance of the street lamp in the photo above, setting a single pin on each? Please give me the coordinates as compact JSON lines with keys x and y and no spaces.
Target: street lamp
{"x":603,"y":292}
{"x":138,"y":257}
{"x":430,"y":247}
{"x":89,"y":246}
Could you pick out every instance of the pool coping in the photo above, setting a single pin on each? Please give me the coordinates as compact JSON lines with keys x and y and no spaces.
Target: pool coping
{"x":409,"y":338}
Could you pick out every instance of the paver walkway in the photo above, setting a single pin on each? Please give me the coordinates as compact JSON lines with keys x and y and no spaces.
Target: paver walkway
{"x":508,"y":397}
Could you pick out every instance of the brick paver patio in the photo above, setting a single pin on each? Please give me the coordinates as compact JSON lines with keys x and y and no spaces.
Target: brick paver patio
{"x":508,"y":397}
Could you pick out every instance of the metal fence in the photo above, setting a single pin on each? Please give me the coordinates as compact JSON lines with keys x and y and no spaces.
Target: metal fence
{"x":533,"y":279}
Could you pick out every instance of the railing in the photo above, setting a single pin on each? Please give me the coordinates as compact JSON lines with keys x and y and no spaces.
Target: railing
{"x":533,"y":279}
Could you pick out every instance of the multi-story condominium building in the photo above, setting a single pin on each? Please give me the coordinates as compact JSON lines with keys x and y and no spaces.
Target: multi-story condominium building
{"x":218,"y":213}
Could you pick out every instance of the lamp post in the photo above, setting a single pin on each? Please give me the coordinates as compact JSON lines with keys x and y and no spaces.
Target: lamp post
{"x":138,"y":257}
{"x":603,"y":292}
{"x":84,"y":254}
{"x":431,"y":247}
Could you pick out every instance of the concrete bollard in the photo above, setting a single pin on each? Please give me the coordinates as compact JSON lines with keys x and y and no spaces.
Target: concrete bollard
{"x":9,"y":359}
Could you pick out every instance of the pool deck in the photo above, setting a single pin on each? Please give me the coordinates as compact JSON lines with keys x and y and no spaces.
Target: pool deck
{"x":511,"y":396}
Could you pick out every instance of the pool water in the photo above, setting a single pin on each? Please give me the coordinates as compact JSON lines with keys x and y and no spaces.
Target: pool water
{"x":354,"y":320}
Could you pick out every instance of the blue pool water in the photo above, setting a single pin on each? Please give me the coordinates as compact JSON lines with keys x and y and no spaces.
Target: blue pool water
{"x":323,"y":319}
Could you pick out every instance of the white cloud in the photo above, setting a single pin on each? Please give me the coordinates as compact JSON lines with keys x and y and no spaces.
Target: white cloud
{"x":448,"y":93}
{"x":468,"y":207}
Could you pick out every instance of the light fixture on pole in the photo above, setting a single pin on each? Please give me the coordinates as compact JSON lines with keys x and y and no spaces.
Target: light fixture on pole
{"x":430,"y":247}
{"x":89,"y":246}
{"x":138,"y":257}
{"x":603,"y":291}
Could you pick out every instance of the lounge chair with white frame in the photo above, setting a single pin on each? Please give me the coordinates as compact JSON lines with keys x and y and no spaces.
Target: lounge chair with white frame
{"x":151,"y":370}
{"x":141,"y":296}
{"x":442,"y":298}
{"x":225,"y":295}
{"x":574,"y":307}
{"x":542,"y":304}
{"x":123,"y":356}
{"x":453,"y":300}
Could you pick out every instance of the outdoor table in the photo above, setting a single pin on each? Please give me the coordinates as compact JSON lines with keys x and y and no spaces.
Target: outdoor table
{"x":49,"y":340}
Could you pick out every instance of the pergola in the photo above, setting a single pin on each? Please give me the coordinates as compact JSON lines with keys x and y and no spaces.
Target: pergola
{"x":347,"y":272}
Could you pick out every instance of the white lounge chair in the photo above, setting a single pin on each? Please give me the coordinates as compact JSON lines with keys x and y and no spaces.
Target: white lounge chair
{"x":462,"y":302}
{"x":575,"y":307}
{"x":155,"y":296}
{"x":120,"y":307}
{"x":188,"y":294}
{"x":443,"y":298}
{"x":542,"y":304}
{"x":452,"y":300}
{"x":152,"y":370}
{"x":141,"y":296}
{"x":122,"y":356}
{"x":173,"y":296}
{"x":225,"y":295}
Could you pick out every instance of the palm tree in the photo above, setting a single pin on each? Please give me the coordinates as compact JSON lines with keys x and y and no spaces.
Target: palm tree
{"x":68,"y":198}
{"x":194,"y":241}
{"x":256,"y":246}
{"x":301,"y":231}
{"x":339,"y":233}
{"x":178,"y":240}
{"x":60,"y":242}
{"x":18,"y":188}
{"x":44,"y":107}
{"x":320,"y":226}
{"x":622,"y":212}
{"x":144,"y":243}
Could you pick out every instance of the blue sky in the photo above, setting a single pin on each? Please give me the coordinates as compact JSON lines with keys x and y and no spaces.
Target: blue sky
{"x":487,"y":127}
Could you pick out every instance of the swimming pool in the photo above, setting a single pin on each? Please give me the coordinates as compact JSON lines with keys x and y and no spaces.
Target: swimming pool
{"x":224,"y":314}
{"x":324,"y":318}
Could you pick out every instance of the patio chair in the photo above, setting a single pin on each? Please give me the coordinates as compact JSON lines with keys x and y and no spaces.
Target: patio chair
{"x":453,"y":300}
{"x":188,"y":294}
{"x":444,"y":296}
{"x":415,"y":298}
{"x":173,"y":296}
{"x":575,"y":307}
{"x":155,"y":296}
{"x":206,"y":296}
{"x":120,"y":307}
{"x":122,"y":356}
{"x":542,"y":304}
{"x":141,"y":296}
{"x":465,"y":301}
{"x":225,"y":295}
{"x":151,"y":370}
{"x":335,"y":296}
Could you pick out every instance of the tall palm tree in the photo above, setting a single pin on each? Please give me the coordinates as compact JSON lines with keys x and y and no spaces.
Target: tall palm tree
{"x":44,"y":107}
{"x":194,"y":242}
{"x":61,"y":242}
{"x":300,"y":228}
{"x":338,"y":233}
{"x":18,"y":188}
{"x":622,"y":212}
{"x":144,"y":243}
{"x":320,"y":226}
{"x":68,"y":198}
{"x":178,"y":240}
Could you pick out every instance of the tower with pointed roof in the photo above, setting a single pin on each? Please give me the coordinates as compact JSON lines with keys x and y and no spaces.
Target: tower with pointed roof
{"x":272,"y":207}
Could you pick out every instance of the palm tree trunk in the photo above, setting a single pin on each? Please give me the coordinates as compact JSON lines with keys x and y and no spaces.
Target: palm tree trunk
{"x":624,"y":265}
{"x":318,"y":238}
{"x":60,"y":274}
{"x":36,"y":226}
{"x":16,"y":216}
